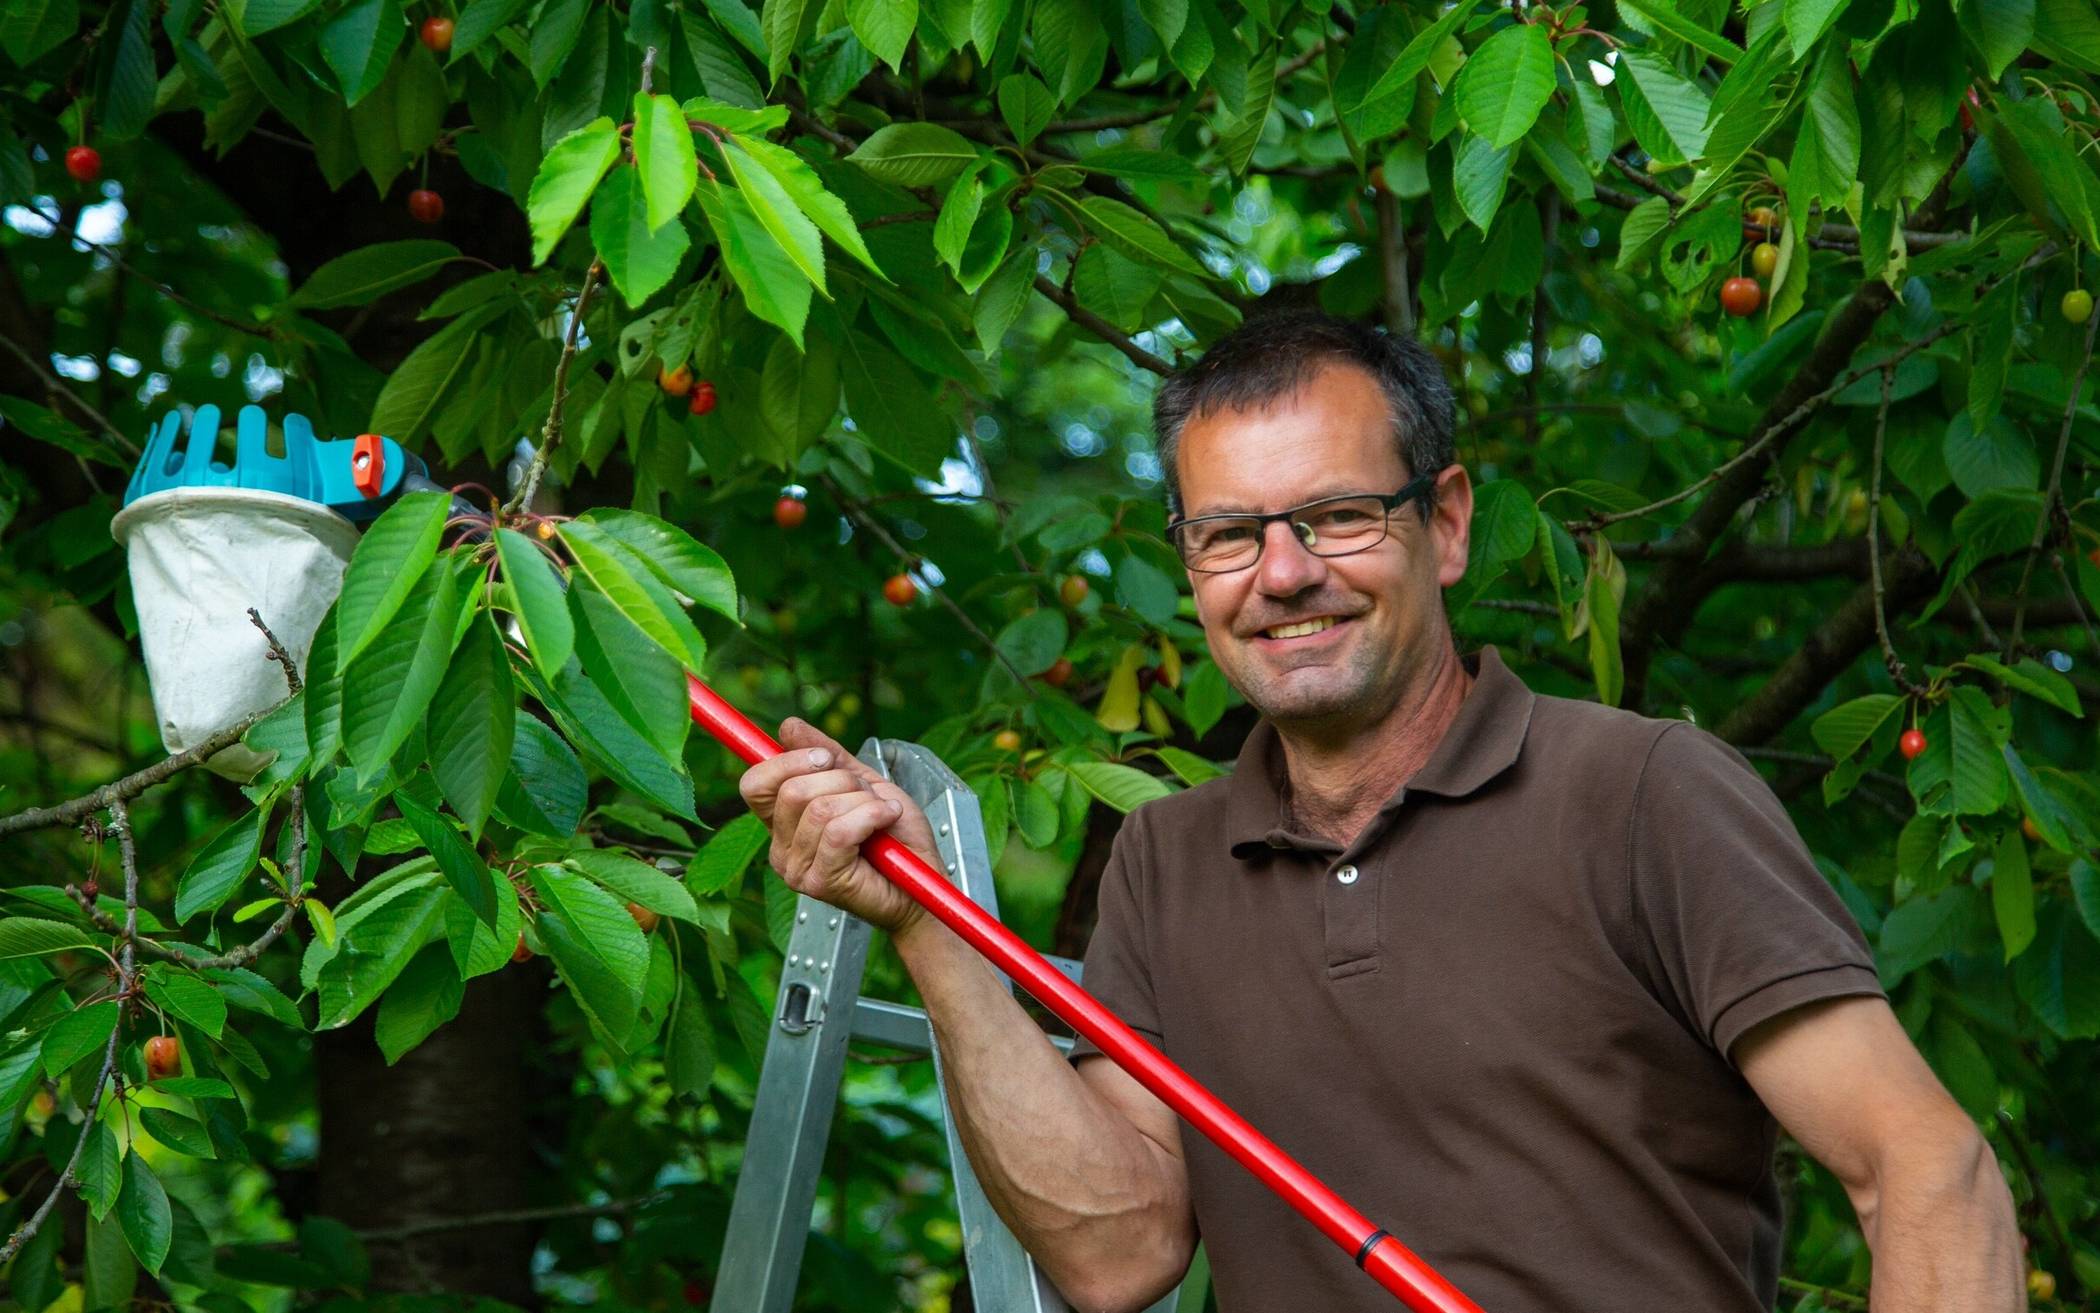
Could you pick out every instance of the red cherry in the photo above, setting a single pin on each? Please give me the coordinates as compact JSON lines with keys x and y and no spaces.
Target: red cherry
{"x":1741,"y":297}
{"x":425,"y":205}
{"x":1059,"y":673}
{"x":436,"y":33}
{"x":644,"y":917}
{"x":900,"y":590}
{"x":790,"y":512}
{"x":703,"y":398}
{"x":1911,"y":744}
{"x":84,"y":163}
{"x":163,"y":1056}
{"x":523,"y":952}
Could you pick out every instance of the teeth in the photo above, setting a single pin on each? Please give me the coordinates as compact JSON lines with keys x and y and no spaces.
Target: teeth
{"x":1301,"y":629}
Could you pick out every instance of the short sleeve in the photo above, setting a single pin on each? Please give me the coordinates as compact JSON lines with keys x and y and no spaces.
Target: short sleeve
{"x":1740,"y":923}
{"x":1117,"y":966}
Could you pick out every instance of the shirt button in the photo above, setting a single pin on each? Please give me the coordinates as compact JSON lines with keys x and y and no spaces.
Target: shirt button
{"x":1345,"y":874}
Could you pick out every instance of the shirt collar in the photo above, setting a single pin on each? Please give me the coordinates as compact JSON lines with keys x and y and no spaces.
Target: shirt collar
{"x":1483,"y":740}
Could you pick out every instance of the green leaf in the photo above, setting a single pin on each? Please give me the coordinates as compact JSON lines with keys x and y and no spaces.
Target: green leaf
{"x":1602,"y":595}
{"x":634,"y":588}
{"x":390,"y":558}
{"x":28,"y":936}
{"x":180,"y":1133}
{"x":801,"y":183}
{"x":689,"y":1047}
{"x":783,"y":22}
{"x":565,"y":181}
{"x":1192,"y":769}
{"x":951,"y":231}
{"x":884,"y":27}
{"x":2068,"y":31}
{"x":663,"y":155}
{"x":461,"y":866}
{"x":600,"y":952}
{"x":76,"y":1035}
{"x":1808,"y":20}
{"x":774,"y":289}
{"x":890,"y":407}
{"x":29,"y":29}
{"x":1035,"y":814}
{"x":1142,"y":164}
{"x":426,"y":996}
{"x":480,"y":20}
{"x":478,"y":949}
{"x":2001,"y":29}
{"x":1677,"y":103}
{"x":376,"y":946}
{"x":1846,"y":728}
{"x":637,"y":882}
{"x":1033,"y":642}
{"x":1924,"y":928}
{"x":641,"y":681}
{"x":545,"y":790}
{"x":1146,"y":589}
{"x":1121,"y":787}
{"x":721,"y":861}
{"x":600,"y":733}
{"x":1506,"y":82}
{"x":1961,"y":772}
{"x":914,"y":154}
{"x":142,"y":1210}
{"x":537,"y":601}
{"x":672,"y":555}
{"x":245,"y":989}
{"x":777,"y":212}
{"x":1997,"y":456}
{"x":1238,"y":137}
{"x":421,"y":384}
{"x":186,"y":997}
{"x":101,"y":1169}
{"x":472,"y":720}
{"x":1667,"y":19}
{"x":2059,"y":977}
{"x":219,"y":868}
{"x":1415,"y":55}
{"x":368,"y":272}
{"x":1027,"y":106}
{"x":639,"y":260}
{"x":1505,"y":522}
{"x":359,"y":43}
{"x":386,"y":692}
{"x":2012,"y":894}
{"x":1480,"y":172}
{"x":2031,"y":677}
{"x":1135,"y":235}
{"x":1115,"y":286}
{"x":554,"y":32}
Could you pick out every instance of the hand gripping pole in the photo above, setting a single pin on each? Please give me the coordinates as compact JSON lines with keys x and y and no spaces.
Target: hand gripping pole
{"x":1387,"y":1261}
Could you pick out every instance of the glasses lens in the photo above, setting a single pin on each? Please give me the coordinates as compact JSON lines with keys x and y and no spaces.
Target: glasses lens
{"x":1223,"y":543}
{"x":1336,"y":528}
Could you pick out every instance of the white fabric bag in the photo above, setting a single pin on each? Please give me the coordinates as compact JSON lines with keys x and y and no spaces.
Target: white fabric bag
{"x":199,"y":558}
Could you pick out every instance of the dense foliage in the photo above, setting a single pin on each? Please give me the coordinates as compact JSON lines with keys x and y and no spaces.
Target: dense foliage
{"x":925,"y":259}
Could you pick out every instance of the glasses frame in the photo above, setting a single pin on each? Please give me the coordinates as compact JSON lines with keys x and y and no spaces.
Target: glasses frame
{"x":1414,"y":489}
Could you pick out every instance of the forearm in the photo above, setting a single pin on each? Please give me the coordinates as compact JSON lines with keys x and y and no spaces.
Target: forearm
{"x":1102,"y":1207}
{"x":1943,"y":1235}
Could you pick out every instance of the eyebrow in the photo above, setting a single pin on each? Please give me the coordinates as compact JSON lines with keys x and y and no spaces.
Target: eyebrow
{"x":1249,"y":510}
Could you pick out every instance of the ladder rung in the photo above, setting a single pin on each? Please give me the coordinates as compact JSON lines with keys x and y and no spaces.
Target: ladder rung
{"x":895,"y":1026}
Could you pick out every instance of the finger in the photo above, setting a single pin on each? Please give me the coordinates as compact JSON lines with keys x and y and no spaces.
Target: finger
{"x":802,"y":790}
{"x":911,"y":823}
{"x":761,"y":784}
{"x":839,"y":841}
{"x":796,"y":732}
{"x":809,"y":855}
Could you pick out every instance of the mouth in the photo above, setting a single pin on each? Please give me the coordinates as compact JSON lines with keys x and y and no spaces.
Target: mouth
{"x":1303,"y":629}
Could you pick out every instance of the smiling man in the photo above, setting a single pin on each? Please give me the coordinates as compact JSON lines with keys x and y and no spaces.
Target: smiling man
{"x":1533,"y":982}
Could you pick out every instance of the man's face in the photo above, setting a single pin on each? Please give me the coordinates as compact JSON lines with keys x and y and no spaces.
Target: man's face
{"x":1381,"y":610}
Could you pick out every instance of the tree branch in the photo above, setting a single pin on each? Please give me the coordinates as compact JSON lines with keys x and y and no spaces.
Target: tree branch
{"x":1392,"y":260}
{"x":2051,"y":502}
{"x":53,"y":390}
{"x":1889,"y":659}
{"x":131,"y":786}
{"x":550,"y":433}
{"x":1100,"y":327}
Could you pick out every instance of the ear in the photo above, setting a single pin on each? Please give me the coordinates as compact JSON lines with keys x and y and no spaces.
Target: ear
{"x":1451,"y":523}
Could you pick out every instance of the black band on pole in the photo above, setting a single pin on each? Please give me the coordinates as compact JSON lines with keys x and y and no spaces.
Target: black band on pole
{"x":1370,"y":1243}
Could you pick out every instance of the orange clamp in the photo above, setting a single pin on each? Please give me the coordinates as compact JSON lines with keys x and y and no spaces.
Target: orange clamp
{"x":368,"y":463}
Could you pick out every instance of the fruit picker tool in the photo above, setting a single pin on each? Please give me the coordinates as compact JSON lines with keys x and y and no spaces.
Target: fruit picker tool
{"x":1387,"y":1261}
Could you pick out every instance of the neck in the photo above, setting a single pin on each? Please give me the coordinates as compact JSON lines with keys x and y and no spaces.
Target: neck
{"x":1341,"y":777}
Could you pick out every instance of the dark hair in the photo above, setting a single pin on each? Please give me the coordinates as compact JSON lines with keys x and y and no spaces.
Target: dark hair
{"x":1272,"y":356}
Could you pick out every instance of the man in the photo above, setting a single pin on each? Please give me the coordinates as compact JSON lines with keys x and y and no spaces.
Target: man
{"x":1525,"y":979}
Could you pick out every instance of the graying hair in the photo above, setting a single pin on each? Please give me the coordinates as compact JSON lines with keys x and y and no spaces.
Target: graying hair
{"x":1272,"y":356}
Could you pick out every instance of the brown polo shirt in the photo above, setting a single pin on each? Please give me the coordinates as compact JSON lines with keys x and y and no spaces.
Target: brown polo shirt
{"x":1499,"y":1021}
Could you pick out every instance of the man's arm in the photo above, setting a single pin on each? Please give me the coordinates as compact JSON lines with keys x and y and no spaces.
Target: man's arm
{"x":1085,"y":1166}
{"x":1844,"y":1080}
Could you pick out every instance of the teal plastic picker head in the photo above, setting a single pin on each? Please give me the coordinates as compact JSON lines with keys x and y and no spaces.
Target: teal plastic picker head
{"x":354,"y":477}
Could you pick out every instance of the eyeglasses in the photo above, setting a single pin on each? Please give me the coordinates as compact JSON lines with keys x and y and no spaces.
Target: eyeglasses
{"x":1332,"y":526}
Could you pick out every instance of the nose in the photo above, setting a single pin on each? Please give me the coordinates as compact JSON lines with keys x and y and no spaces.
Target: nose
{"x":1286,"y":568}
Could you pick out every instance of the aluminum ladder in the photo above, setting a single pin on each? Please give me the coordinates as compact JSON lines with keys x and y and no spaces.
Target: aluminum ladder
{"x":818,"y":1011}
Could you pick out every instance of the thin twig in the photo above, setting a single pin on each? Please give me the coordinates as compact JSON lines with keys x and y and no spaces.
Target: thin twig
{"x":2054,"y":496}
{"x":853,"y":508}
{"x":127,"y":981}
{"x":2034,"y":1180}
{"x":1100,"y":327}
{"x":504,"y":1217}
{"x":131,"y":786}
{"x":55,"y":389}
{"x":1825,"y":1293}
{"x":277,"y":652}
{"x":1894,"y":663}
{"x":2071,"y":594}
{"x":906,"y":216}
{"x":550,"y":433}
{"x":1797,"y":416}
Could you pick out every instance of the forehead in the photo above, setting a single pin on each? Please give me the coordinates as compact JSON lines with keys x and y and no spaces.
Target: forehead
{"x":1332,"y":434}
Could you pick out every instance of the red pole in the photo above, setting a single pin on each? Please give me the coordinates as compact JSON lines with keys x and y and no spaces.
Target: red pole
{"x":1389,"y":1262}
